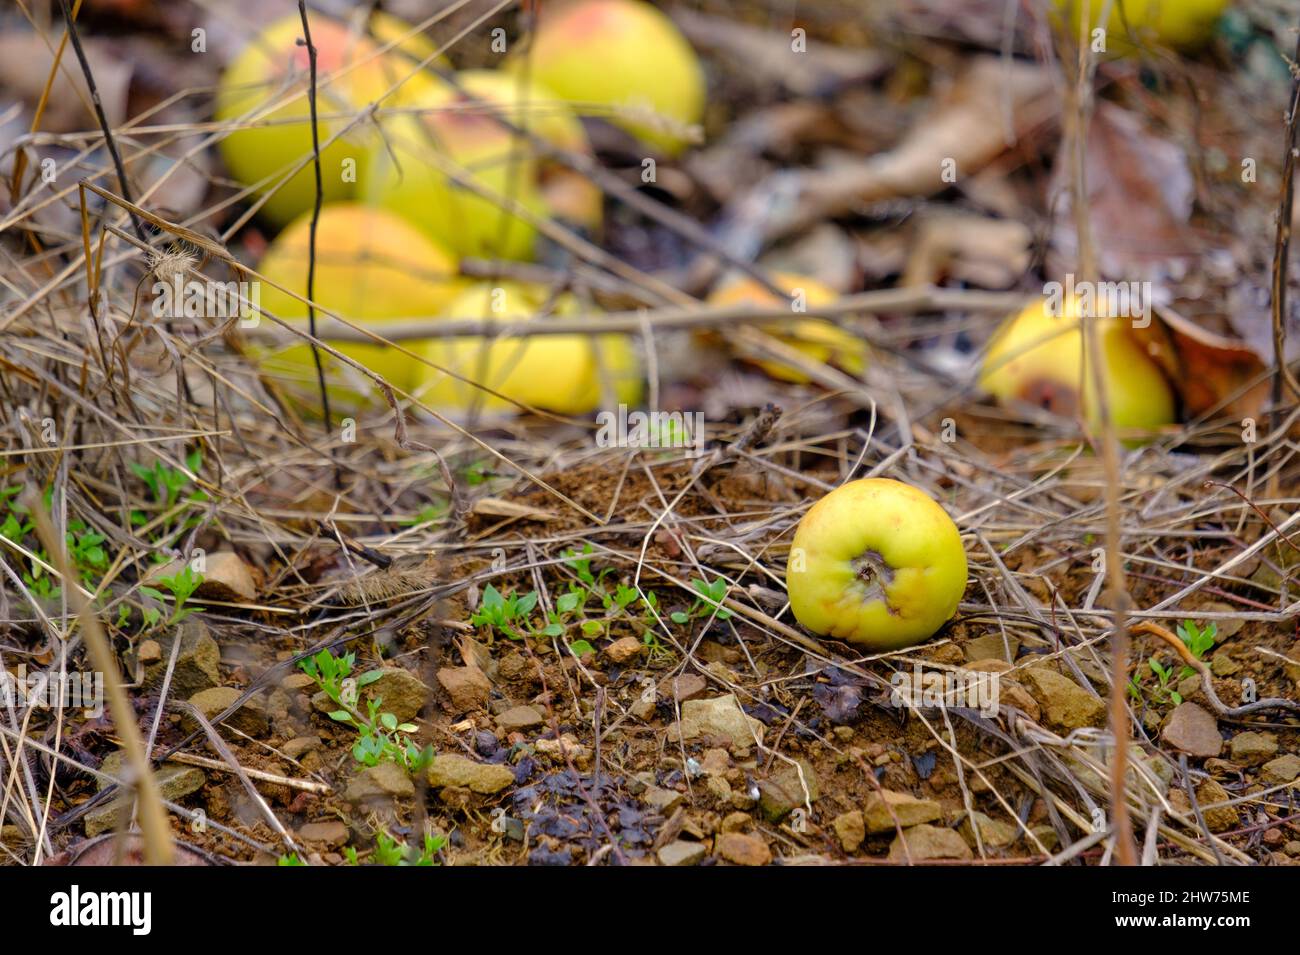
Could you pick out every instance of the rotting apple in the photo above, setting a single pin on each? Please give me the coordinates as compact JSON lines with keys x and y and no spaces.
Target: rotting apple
{"x":371,"y":268}
{"x":876,"y":562}
{"x":351,"y":72}
{"x":817,"y":338}
{"x":625,"y":56}
{"x":1038,"y":357}
{"x":1181,"y":24}
{"x":566,"y":374}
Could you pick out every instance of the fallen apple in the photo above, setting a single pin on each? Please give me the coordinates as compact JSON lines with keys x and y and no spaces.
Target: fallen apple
{"x":1181,"y":24}
{"x":878,"y":563}
{"x":1038,"y":357}
{"x":820,"y":340}
{"x":400,"y":177}
{"x":567,"y":374}
{"x":351,"y":73}
{"x":371,"y":268}
{"x":625,"y":56}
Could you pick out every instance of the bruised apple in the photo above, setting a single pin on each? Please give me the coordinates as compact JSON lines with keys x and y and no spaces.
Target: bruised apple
{"x":1038,"y":357}
{"x":878,"y":563}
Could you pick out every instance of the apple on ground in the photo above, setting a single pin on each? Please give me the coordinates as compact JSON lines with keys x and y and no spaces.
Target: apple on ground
{"x":623,"y":60}
{"x":371,"y":268}
{"x":1039,"y":357}
{"x":1181,"y":24}
{"x":351,"y":72}
{"x":817,"y":338}
{"x":566,"y":374}
{"x":878,"y":563}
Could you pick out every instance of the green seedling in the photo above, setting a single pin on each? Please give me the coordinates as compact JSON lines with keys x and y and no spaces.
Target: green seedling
{"x":1162,"y":693}
{"x":1199,"y":640}
{"x":380,"y":736}
{"x":709,"y":602}
{"x":182,"y":585}
{"x":388,"y":851}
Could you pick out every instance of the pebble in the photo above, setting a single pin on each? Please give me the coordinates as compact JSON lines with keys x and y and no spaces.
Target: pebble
{"x":624,"y":649}
{"x":1065,"y":705}
{"x":928,"y":842}
{"x":519,"y":718}
{"x":332,"y":833}
{"x":402,"y":692}
{"x":452,"y":769}
{"x":1281,"y":770}
{"x":250,"y":718}
{"x":1253,"y":749}
{"x":196,"y":662}
{"x":910,"y":811}
{"x":722,"y":718}
{"x":682,"y":852}
{"x":382,"y":781}
{"x":850,"y":829}
{"x":468,"y":687}
{"x":740,"y":848}
{"x":1194,"y":730}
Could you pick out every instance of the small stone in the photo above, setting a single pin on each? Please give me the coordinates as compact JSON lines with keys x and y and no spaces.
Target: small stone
{"x":742,"y":848}
{"x":196,"y":661}
{"x":1066,"y":706}
{"x":994,"y":833}
{"x":910,"y":811}
{"x":928,"y":842}
{"x":1292,"y":848}
{"x":519,"y":718}
{"x":387,"y":780}
{"x":296,"y":682}
{"x":721,"y":718}
{"x":719,"y":790}
{"x":175,"y":782}
{"x":688,"y":686}
{"x":843,"y":734}
{"x":1272,"y":837}
{"x":1281,"y":770}
{"x":682,"y":852}
{"x":850,"y":829}
{"x":1227,"y":626}
{"x":663,"y":801}
{"x":1014,"y":695}
{"x":250,"y":718}
{"x":786,"y":789}
{"x":565,"y":748}
{"x":736,"y":822}
{"x":624,"y":649}
{"x":1253,"y":749}
{"x":992,"y":646}
{"x":295,"y":747}
{"x":401,"y":692}
{"x":1220,"y":767}
{"x":468,"y":687}
{"x":742,"y":801}
{"x":332,"y":833}
{"x":149,"y":652}
{"x":1047,"y":836}
{"x":642,"y":709}
{"x":1222,"y":665}
{"x":1218,"y":818}
{"x":455,"y":770}
{"x":1193,"y":730}
{"x":716,"y":762}
{"x":225,"y":577}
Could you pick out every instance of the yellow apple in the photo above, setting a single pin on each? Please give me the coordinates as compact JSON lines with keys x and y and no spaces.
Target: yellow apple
{"x":876,"y":562}
{"x":1038,"y":357}
{"x":567,"y":374}
{"x":273,"y":68}
{"x":371,"y":268}
{"x":527,"y":104}
{"x":1182,"y":24}
{"x":820,"y":340}
{"x":407,"y":182}
{"x":620,"y":55}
